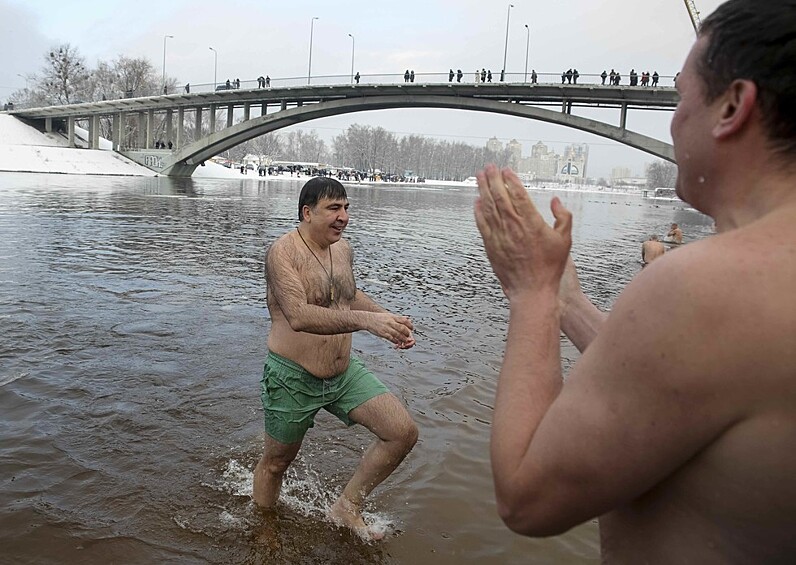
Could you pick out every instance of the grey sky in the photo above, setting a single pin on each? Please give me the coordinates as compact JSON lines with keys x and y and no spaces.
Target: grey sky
{"x":254,"y":37}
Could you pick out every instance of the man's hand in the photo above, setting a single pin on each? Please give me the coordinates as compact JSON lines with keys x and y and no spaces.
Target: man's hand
{"x":396,"y":329}
{"x":525,"y":252}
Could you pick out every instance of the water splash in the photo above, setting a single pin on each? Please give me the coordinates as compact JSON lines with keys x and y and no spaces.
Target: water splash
{"x":303,"y":492}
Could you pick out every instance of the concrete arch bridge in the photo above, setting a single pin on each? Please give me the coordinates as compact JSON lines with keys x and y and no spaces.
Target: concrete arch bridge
{"x":267,"y":110}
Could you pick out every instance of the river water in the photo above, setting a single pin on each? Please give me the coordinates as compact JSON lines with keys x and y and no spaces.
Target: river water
{"x":133,"y":327}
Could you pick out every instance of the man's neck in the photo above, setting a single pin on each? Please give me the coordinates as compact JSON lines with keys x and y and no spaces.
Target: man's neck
{"x":313,"y":241}
{"x":749,"y":198}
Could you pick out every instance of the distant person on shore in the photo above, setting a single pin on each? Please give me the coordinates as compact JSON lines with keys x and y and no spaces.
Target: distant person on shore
{"x":315,"y":306}
{"x":651,"y":250}
{"x":675,"y":235}
{"x":676,"y":425}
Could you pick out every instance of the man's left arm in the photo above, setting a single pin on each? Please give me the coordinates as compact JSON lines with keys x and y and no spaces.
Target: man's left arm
{"x":364,"y":302}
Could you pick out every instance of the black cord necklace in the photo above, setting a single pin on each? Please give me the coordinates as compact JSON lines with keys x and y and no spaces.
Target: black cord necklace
{"x":331,"y":265}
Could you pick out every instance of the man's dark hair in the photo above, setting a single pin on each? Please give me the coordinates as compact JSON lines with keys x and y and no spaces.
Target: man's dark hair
{"x":318,"y":188}
{"x":756,"y":40}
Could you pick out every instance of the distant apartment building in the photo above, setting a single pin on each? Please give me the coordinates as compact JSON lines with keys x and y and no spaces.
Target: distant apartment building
{"x":515,"y":152}
{"x":619,"y":173}
{"x":494,"y":145}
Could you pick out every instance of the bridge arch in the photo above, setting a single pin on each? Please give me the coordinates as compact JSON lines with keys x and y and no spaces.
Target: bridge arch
{"x":185,"y":161}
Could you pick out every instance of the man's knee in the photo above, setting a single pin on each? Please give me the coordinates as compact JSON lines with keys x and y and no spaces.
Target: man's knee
{"x":407,"y":433}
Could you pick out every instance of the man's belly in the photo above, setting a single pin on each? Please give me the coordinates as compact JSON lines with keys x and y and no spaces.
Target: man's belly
{"x":322,"y":355}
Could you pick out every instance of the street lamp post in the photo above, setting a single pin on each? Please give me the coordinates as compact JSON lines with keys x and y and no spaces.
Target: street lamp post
{"x":164,"y":60}
{"x":527,"y":47}
{"x":506,"y":48}
{"x":215,"y":68}
{"x":309,"y":66}
{"x":353,"y":42}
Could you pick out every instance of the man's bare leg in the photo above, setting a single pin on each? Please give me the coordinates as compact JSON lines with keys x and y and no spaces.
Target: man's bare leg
{"x":269,"y":472}
{"x":396,"y":434}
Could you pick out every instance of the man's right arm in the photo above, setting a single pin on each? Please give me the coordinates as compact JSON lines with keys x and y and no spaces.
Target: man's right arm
{"x":580,"y":319}
{"x":288,"y":290}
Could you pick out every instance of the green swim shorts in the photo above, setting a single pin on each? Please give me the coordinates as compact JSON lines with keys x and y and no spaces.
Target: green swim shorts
{"x":292,"y":396}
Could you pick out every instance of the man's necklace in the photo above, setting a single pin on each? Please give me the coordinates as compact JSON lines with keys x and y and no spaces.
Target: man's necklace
{"x":330,"y":272}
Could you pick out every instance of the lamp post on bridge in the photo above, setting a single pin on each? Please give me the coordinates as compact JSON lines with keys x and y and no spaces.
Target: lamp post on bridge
{"x":353,"y":42}
{"x":215,"y":68}
{"x":506,"y":48}
{"x":309,"y":66}
{"x":164,"y":60}
{"x":527,"y":47}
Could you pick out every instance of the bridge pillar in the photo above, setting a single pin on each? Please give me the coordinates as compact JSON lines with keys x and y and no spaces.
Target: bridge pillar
{"x":246,"y":111}
{"x":180,"y":126}
{"x":48,"y":125}
{"x":139,"y":119}
{"x":623,"y":117}
{"x":70,"y":135}
{"x":264,"y":109}
{"x":116,"y":130}
{"x":198,"y":129}
{"x":212,"y":118}
{"x":169,"y":126}
{"x":230,"y":111}
{"x":284,"y":105}
{"x":150,"y":124}
{"x":94,"y":132}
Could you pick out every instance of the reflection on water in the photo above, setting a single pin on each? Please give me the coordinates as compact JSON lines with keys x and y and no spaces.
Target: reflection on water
{"x":134,"y":322}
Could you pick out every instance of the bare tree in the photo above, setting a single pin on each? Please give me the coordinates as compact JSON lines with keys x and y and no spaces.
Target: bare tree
{"x":661,"y":174}
{"x":64,"y":75}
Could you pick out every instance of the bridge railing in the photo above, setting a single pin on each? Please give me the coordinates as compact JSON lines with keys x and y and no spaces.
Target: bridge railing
{"x":398,"y":78}
{"x":384,"y":78}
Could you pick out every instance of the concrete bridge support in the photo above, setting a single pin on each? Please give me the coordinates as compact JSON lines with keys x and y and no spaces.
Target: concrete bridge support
{"x":150,"y":126}
{"x":623,"y":118}
{"x":198,"y":124}
{"x":264,"y":109}
{"x":169,"y":126}
{"x":141,"y":142}
{"x":93,"y":132}
{"x":70,"y":131}
{"x":48,"y":125}
{"x":230,"y":113}
{"x":212,"y":118}
{"x":180,"y":126}
{"x":246,"y":111}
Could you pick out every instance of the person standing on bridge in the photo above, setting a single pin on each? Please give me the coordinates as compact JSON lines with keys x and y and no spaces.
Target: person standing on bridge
{"x":450,"y":75}
{"x":459,"y":75}
{"x":534,"y":77}
{"x":677,"y":423}
{"x":604,"y":75}
{"x":357,"y":77}
{"x":315,"y":306}
{"x":406,"y":76}
{"x":655,"y":78}
{"x":267,"y":81}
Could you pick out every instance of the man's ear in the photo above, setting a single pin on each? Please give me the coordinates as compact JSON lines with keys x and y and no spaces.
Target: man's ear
{"x":736,"y":109}
{"x":305,"y":213}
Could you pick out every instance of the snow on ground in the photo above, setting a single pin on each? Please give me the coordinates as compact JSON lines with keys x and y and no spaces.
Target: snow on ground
{"x":25,"y":149}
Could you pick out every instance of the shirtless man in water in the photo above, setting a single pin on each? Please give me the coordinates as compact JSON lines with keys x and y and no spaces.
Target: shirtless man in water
{"x":315,"y":305}
{"x":675,"y":234}
{"x":677,"y":425}
{"x":651,"y":250}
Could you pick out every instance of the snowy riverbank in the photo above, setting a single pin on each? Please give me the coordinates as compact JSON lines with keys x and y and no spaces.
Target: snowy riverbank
{"x":24,"y":149}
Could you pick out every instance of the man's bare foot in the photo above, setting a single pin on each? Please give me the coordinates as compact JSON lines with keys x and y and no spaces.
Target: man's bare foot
{"x":345,"y":513}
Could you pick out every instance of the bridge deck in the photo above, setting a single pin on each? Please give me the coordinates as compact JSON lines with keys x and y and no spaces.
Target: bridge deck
{"x":530,"y":94}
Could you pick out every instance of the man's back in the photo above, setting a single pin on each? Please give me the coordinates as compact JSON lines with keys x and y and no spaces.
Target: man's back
{"x":734,"y":500}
